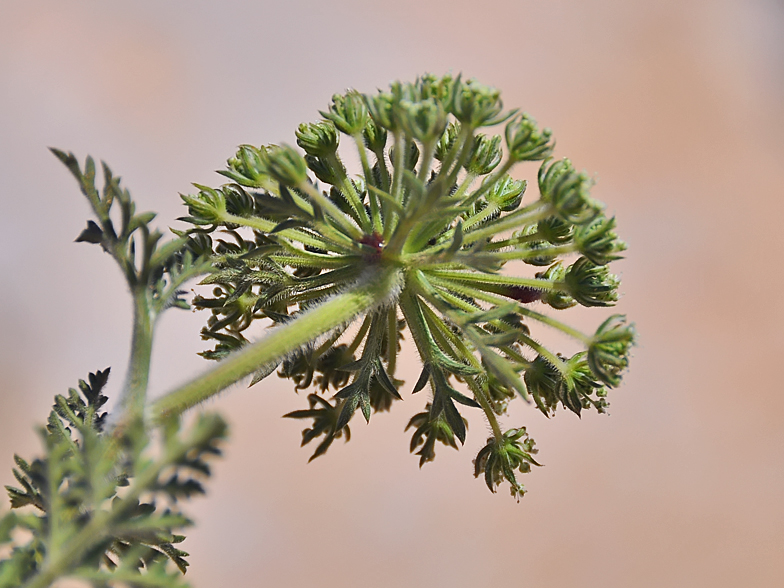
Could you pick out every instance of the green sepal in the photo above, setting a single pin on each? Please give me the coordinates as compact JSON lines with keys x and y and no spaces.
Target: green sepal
{"x":289,"y":224}
{"x":424,"y":378}
{"x":382,"y":377}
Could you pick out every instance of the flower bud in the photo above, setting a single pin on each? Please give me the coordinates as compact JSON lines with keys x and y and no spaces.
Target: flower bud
{"x":556,"y":298}
{"x":318,"y":139}
{"x":413,"y":156}
{"x":375,"y":136}
{"x":424,"y":121}
{"x":507,"y":193}
{"x":447,"y":141}
{"x":382,"y":108}
{"x":544,"y":383}
{"x":568,"y":192}
{"x":246,"y":167}
{"x":545,"y":258}
{"x":581,"y":390}
{"x":598,"y":242}
{"x":349,"y":112}
{"x":591,"y":284}
{"x":555,"y":230}
{"x":205,"y":208}
{"x":284,"y":164}
{"x":438,"y":88}
{"x":500,"y":458}
{"x":477,"y":105}
{"x":608,"y":351}
{"x":322,"y":169}
{"x":526,"y":142}
{"x":485,"y":155}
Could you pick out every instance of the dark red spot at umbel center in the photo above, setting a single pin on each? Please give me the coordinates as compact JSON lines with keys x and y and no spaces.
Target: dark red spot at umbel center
{"x":376,"y":244}
{"x":524,"y":294}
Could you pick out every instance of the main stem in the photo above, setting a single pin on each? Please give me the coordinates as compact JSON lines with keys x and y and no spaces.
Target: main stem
{"x":375,"y":288}
{"x":135,"y":392}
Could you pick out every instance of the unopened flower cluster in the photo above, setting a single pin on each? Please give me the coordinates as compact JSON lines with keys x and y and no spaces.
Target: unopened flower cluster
{"x":433,"y":201}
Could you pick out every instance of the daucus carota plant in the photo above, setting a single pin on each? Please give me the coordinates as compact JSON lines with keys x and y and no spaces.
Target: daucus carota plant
{"x":345,"y":268}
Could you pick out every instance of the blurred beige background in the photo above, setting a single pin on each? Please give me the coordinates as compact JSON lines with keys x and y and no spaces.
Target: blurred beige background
{"x":679,"y":108}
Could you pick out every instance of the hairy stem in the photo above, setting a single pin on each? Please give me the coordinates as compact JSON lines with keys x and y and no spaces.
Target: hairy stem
{"x":135,"y":390}
{"x":375,"y":288}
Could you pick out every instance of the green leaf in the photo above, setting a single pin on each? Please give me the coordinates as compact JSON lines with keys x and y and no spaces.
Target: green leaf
{"x":92,"y":234}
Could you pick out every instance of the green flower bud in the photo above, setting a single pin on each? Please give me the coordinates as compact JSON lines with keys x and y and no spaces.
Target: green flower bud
{"x":580,"y":386}
{"x":382,"y":108}
{"x":284,"y":164}
{"x":608,"y":351}
{"x":438,"y":88}
{"x":526,"y":142}
{"x":568,"y":192}
{"x":556,"y":298}
{"x":485,"y":155}
{"x":205,"y":208}
{"x":477,"y":105}
{"x":544,"y":384}
{"x":349,"y":112}
{"x":576,"y":388}
{"x":598,"y":242}
{"x":507,"y":193}
{"x":591,"y":284}
{"x":340,"y":201}
{"x":375,"y":137}
{"x":435,"y":242}
{"x":424,"y":121}
{"x":413,"y":156}
{"x":500,"y":458}
{"x":322,"y":169}
{"x":541,"y":260}
{"x":318,"y":139}
{"x":555,"y":230}
{"x":447,"y":141}
{"x":246,"y":167}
